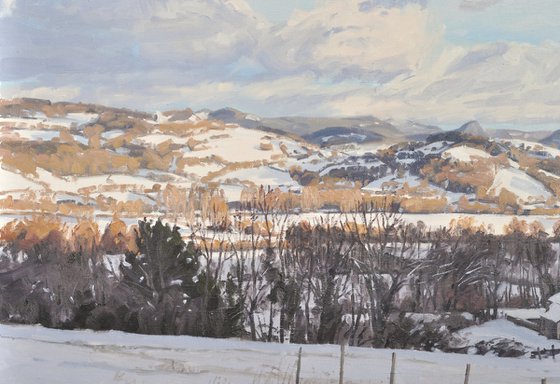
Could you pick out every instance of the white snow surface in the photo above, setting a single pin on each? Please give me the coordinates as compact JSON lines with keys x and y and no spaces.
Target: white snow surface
{"x":33,"y":134}
{"x":261,"y":175}
{"x":465,"y":153}
{"x":73,"y":184}
{"x":553,"y":313}
{"x":69,"y":120}
{"x":32,"y":354}
{"x":108,"y":135}
{"x":382,"y":183}
{"x":232,"y":192}
{"x":524,"y":186}
{"x":523,"y":313}
{"x":125,"y":196}
{"x":555,"y":298}
{"x":503,"y":328}
{"x":240,"y":145}
{"x":12,"y":181}
{"x":158,"y":138}
{"x":202,"y":169}
{"x":534,"y":146}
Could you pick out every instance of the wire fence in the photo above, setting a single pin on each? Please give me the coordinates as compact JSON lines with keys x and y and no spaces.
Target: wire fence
{"x":407,"y":371}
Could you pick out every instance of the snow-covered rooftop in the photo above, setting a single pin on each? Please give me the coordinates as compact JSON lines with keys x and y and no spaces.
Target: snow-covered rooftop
{"x":555,"y":298}
{"x":553,"y":313}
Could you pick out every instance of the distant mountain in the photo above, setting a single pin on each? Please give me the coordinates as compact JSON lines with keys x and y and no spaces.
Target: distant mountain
{"x":342,"y":135}
{"x":468,"y":131}
{"x":473,"y":128}
{"x":234,"y":116}
{"x":515,"y":134}
{"x":330,"y":130}
{"x":414,"y":130}
{"x":552,"y":139}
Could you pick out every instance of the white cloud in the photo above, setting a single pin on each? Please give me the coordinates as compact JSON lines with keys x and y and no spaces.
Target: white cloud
{"x":6,"y":7}
{"x":343,"y":40}
{"x":125,"y":36}
{"x":506,"y":83}
{"x":389,"y":58}
{"x":477,"y":5}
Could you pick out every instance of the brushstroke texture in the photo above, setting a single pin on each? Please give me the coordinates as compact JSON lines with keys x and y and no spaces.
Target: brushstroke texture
{"x":390,"y":58}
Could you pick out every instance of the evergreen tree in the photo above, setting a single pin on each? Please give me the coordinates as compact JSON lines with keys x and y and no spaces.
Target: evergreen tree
{"x":164,"y":273}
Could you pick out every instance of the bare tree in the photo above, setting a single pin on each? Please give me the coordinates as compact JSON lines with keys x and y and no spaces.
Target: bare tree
{"x":387,"y":248}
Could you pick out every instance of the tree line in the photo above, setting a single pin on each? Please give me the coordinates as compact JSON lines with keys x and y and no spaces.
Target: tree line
{"x":352,"y":278}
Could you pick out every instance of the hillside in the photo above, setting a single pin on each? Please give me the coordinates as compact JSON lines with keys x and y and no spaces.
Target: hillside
{"x":552,"y":139}
{"x":80,"y":158}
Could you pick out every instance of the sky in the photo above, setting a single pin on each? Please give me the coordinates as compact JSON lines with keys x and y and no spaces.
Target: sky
{"x":440,"y":62}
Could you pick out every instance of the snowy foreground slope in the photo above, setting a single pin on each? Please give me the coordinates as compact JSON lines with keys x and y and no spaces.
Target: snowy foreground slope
{"x":32,"y":354}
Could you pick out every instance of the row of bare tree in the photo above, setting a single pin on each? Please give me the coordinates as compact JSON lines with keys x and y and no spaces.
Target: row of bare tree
{"x":348,"y":278}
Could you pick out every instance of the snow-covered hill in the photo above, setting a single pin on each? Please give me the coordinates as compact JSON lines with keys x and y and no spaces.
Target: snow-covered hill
{"x":519,"y":183}
{"x":67,"y":150}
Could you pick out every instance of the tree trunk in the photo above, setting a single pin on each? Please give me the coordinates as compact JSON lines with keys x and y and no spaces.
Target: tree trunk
{"x":252,"y":324}
{"x":270,"y":323}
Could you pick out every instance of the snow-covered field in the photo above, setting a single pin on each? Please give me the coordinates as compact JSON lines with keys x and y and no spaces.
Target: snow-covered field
{"x":465,"y":153}
{"x":264,"y":176}
{"x":521,"y":184}
{"x":503,"y":328}
{"x":32,"y":354}
{"x":495,"y":223}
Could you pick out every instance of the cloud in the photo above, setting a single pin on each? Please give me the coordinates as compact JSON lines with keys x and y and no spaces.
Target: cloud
{"x":6,"y":8}
{"x":345,"y":41}
{"x":477,"y":5}
{"x":497,"y":83}
{"x":389,"y":58}
{"x":125,"y":36}
{"x":372,"y":4}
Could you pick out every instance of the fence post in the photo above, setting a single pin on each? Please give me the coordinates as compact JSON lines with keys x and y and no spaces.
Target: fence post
{"x":539,"y":353}
{"x":393,"y":368}
{"x":298,"y":367}
{"x":341,"y":373}
{"x":467,"y":373}
{"x":553,"y":353}
{"x":543,"y":381}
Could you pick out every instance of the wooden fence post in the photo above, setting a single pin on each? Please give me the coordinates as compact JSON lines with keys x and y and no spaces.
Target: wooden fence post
{"x":543,"y":381}
{"x":539,"y":353}
{"x":341,"y":372}
{"x":298,"y":366}
{"x":393,"y":368}
{"x":467,"y":373}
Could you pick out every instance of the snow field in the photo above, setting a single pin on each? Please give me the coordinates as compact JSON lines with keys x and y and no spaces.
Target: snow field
{"x":465,"y":153}
{"x":31,"y":354}
{"x":521,"y":184}
{"x":505,"y":329}
{"x":261,"y":176}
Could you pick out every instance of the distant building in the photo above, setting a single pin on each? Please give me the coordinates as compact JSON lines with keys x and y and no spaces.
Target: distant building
{"x":550,"y":320}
